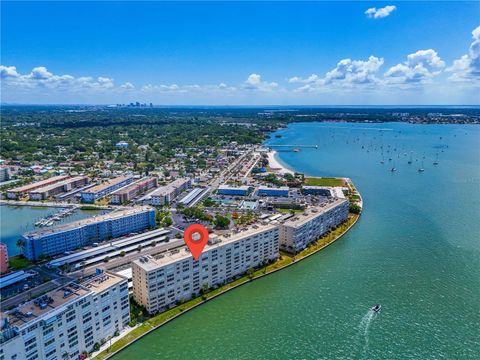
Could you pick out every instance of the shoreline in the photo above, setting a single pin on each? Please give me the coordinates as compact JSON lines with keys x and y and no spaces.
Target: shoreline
{"x":38,"y":204}
{"x":196,"y":302}
{"x":275,"y":164}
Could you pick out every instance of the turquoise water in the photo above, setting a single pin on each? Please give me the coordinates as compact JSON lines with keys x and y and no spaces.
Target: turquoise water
{"x":416,"y":251}
{"x":15,"y":220}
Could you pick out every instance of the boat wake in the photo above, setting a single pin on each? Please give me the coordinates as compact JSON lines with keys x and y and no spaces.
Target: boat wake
{"x":363,"y":330}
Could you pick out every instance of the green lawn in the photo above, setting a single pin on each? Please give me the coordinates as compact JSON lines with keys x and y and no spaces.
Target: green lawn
{"x":289,"y":210}
{"x":324,"y":181}
{"x":18,"y":262}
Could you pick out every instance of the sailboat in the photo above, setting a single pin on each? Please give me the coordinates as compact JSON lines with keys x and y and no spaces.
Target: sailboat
{"x":436,"y":160}
{"x":410,"y":161}
{"x":421,"y":169}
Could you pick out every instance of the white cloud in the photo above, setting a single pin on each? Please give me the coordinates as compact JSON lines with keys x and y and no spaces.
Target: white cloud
{"x":347,"y":74}
{"x":40,"y":77}
{"x":8,"y":71}
{"x":419,"y":68}
{"x":255,"y":82}
{"x":375,"y":13}
{"x":127,"y":86}
{"x":183,"y":89}
{"x":309,"y":80}
{"x":350,"y":72}
{"x":467,"y":67}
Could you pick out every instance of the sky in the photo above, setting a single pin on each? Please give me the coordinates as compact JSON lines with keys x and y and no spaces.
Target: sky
{"x":249,"y":53}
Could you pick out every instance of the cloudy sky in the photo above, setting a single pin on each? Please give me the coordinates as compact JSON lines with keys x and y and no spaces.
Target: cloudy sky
{"x":224,"y":53}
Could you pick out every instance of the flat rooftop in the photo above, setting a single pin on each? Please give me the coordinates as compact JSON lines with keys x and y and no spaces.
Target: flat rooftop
{"x":312,"y":212}
{"x":228,"y":187}
{"x":58,"y":298}
{"x":130,"y":187}
{"x":282,"y":188}
{"x":215,"y":241}
{"x":103,"y":282}
{"x":107,"y":184}
{"x":169,"y":188}
{"x":95,"y":219}
{"x":37,"y":184}
{"x":57,"y":184}
{"x":44,"y":304}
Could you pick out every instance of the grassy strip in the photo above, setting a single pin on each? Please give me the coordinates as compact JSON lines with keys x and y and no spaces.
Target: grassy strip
{"x":284,"y":261}
{"x":324,"y":181}
{"x":18,"y":262}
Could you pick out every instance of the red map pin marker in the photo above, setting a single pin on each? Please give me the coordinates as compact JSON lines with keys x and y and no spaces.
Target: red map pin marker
{"x":196,"y":237}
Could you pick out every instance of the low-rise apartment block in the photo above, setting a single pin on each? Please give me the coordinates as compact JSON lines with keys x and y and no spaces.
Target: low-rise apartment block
{"x":162,"y":281}
{"x":100,"y":191}
{"x":71,"y":236}
{"x":127,"y":193}
{"x":235,"y":191}
{"x":302,"y":229}
{"x":165,"y":194}
{"x":66,"y":322}
{"x":270,"y":191}
{"x":48,"y":191}
{"x":23,"y":190}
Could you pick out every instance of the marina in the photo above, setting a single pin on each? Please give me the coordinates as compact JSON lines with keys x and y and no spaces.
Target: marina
{"x":50,"y":220}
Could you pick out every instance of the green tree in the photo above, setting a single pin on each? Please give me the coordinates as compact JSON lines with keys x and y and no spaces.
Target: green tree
{"x":20,"y":243}
{"x":221,"y":222}
{"x":355,"y":208}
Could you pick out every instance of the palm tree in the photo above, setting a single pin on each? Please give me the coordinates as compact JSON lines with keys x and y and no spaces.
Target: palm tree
{"x":20,"y":243}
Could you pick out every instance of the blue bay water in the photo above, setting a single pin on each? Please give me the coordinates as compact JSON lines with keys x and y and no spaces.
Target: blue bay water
{"x":415,"y":250}
{"x":15,"y":220}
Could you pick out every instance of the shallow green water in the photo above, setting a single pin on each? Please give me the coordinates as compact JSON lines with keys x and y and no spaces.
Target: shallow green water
{"x":416,"y":250}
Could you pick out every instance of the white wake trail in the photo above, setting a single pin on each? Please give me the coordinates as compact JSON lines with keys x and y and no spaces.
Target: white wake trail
{"x":363,"y":329}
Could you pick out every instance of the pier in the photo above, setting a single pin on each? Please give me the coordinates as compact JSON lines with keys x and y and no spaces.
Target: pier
{"x":296,"y":146}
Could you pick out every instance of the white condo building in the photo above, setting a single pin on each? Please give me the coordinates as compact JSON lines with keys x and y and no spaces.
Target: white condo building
{"x":162,"y":281}
{"x":68,"y":320}
{"x":165,"y":194}
{"x":302,"y":229}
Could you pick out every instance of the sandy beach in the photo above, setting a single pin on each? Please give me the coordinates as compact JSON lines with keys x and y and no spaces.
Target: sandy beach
{"x":275,"y":164}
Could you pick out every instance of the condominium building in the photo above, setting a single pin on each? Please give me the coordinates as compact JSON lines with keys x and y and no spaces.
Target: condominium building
{"x":160,"y":282}
{"x":71,"y":236}
{"x":66,"y":322}
{"x":3,"y":258}
{"x":270,"y":191}
{"x":4,"y":173}
{"x":302,"y":229}
{"x":48,"y":191}
{"x":127,"y":193}
{"x":165,"y":194}
{"x":23,"y":190}
{"x":231,"y":190}
{"x":98,"y":192}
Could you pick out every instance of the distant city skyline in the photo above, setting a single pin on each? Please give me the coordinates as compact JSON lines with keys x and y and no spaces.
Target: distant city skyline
{"x":224,"y":53}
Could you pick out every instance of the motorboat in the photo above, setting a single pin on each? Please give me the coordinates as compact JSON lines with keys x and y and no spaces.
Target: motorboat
{"x":376,"y":308}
